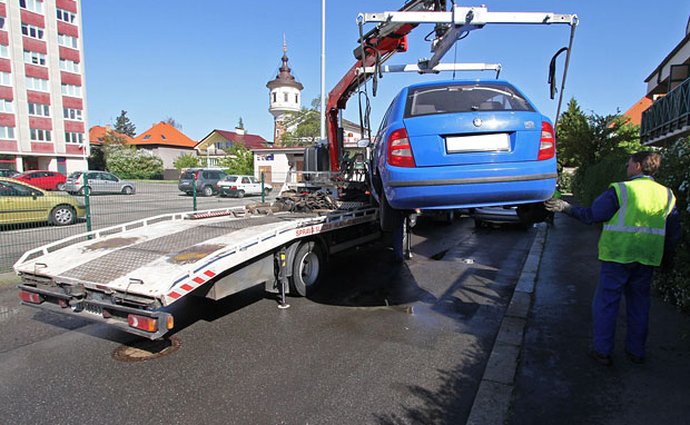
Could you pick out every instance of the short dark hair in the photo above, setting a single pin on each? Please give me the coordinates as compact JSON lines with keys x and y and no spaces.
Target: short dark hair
{"x":650,"y":161}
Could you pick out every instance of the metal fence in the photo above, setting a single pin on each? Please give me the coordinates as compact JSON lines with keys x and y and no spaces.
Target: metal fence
{"x":668,"y":116}
{"x":30,"y":214}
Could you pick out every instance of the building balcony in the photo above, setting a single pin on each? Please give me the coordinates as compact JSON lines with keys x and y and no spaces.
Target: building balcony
{"x":668,"y":118}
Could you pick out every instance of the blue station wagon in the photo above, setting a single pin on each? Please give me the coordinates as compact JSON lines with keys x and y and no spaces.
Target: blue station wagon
{"x":462,"y":144}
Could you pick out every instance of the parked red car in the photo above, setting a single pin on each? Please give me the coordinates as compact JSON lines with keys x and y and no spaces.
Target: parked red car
{"x":47,"y":180}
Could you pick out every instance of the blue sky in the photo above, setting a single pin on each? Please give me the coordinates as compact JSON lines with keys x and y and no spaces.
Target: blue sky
{"x":206,"y":63}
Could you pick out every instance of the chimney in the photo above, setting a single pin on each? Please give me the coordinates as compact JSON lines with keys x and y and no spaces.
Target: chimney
{"x":239,"y":131}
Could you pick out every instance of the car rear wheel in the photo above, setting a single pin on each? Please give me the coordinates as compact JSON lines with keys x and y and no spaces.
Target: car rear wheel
{"x":208,"y":191}
{"x":63,"y":215}
{"x":307,"y":268}
{"x":60,"y":186}
{"x":82,"y":191}
{"x":386,"y":213}
{"x":240,"y":193}
{"x":127,"y":190}
{"x":267,"y":190}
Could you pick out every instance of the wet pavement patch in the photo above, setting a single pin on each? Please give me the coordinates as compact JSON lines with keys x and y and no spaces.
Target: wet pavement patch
{"x":141,"y":350}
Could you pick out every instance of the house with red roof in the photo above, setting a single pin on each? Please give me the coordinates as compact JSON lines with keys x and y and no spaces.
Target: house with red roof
{"x":215,"y":144}
{"x":99,"y":132}
{"x":167,"y":143}
{"x":634,"y":114}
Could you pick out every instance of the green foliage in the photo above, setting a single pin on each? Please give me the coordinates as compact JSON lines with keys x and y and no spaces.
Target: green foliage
{"x":585,"y":139}
{"x":172,"y":122}
{"x":304,"y":127}
{"x":590,"y":182}
{"x":674,"y":285}
{"x":124,"y":126}
{"x":129,"y":163}
{"x":187,"y":160}
{"x":238,"y":160}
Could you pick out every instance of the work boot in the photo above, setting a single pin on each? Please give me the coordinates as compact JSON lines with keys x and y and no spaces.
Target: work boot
{"x":602,"y":359}
{"x":633,"y":358}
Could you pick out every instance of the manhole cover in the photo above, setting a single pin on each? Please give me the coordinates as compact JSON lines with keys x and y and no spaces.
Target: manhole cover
{"x":146,"y":350}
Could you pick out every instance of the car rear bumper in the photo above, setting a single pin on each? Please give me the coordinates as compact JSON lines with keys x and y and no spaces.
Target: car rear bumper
{"x":470,"y":186}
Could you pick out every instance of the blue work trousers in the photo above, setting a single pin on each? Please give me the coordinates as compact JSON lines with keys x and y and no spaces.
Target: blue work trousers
{"x":634,"y":280}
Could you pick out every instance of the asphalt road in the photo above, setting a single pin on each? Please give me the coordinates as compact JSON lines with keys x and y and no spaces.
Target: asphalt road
{"x":108,"y":210}
{"x":379,"y":343}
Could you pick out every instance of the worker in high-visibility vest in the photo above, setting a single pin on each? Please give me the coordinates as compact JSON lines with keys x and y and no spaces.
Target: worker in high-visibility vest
{"x":641,"y":231}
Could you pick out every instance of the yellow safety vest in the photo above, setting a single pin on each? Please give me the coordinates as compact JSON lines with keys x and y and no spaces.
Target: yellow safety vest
{"x":635,"y":234}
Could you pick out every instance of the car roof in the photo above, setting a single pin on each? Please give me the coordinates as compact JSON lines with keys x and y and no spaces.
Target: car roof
{"x":11,"y":180}
{"x":459,"y":82}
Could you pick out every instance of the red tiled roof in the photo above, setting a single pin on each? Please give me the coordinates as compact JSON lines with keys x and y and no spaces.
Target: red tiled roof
{"x":250,"y":141}
{"x":163,"y":134}
{"x":98,"y":132}
{"x":635,"y":112}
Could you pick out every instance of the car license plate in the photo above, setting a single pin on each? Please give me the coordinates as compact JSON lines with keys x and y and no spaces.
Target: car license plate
{"x":478,"y":143}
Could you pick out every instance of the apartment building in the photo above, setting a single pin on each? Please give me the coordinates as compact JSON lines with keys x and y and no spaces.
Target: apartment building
{"x":42,"y":92}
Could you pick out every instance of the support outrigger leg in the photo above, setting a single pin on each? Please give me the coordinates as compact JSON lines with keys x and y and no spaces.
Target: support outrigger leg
{"x":282,"y":278}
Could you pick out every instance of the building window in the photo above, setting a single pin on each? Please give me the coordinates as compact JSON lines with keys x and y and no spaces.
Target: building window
{"x":77,"y":138}
{"x":70,"y":90}
{"x":296,"y":98}
{"x":67,"y":41}
{"x":5,"y":79}
{"x":66,"y":16}
{"x":4,"y":51}
{"x":34,"y":58}
{"x":6,"y":105}
{"x":2,"y":22}
{"x":32,"y":31}
{"x":7,"y":133}
{"x":68,"y":65}
{"x":72,"y":114}
{"x":36,"y":84}
{"x":40,"y":135}
{"x":32,"y":5}
{"x":274,"y":97}
{"x":148,"y":136}
{"x":38,"y":109}
{"x":285,"y":97}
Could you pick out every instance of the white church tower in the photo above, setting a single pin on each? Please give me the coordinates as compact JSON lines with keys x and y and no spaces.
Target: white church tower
{"x":285,"y":96}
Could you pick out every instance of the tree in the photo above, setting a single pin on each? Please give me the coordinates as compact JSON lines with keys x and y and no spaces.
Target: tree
{"x":303,"y":127}
{"x":583,"y":140}
{"x":187,"y":161}
{"x":124,"y":126}
{"x":130,"y":163}
{"x":172,"y":122}
{"x":238,"y":160}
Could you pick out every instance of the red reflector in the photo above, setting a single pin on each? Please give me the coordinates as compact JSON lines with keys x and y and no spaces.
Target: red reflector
{"x":30,"y":297}
{"x":547,"y":142}
{"x":399,"y":149}
{"x":63,"y":303}
{"x":144,"y":323}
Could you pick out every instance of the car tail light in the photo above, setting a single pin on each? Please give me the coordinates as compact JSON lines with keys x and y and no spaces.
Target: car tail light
{"x":148,"y":324}
{"x":547,"y":142}
{"x":399,"y":149}
{"x":30,"y":297}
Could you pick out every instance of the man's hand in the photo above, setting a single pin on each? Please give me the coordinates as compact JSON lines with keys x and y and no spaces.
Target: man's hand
{"x":557,"y":205}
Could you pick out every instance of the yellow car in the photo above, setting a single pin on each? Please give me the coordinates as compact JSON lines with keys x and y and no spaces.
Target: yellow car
{"x":23,"y":203}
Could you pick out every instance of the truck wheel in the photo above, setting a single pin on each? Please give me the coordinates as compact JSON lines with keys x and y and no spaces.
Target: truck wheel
{"x":307,"y":267}
{"x":62,"y":215}
{"x":208,"y":191}
{"x":240,"y":193}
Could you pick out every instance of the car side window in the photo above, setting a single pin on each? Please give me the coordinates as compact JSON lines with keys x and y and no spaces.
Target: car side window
{"x":14,"y":189}
{"x":109,"y":177}
{"x":253,"y":180}
{"x":245,"y":180}
{"x":206,"y":175}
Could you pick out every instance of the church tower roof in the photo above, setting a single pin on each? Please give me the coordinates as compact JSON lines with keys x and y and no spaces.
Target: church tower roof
{"x":284,"y":77}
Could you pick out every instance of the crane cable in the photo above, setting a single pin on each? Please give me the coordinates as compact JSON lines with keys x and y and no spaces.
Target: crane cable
{"x":552,"y":70}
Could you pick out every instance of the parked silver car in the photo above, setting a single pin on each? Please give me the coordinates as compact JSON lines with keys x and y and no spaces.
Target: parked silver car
{"x":98,"y":182}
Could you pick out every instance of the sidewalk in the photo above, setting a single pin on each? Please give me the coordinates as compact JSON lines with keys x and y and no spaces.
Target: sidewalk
{"x":557,"y":383}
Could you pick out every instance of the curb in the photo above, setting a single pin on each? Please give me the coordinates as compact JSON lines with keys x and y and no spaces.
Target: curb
{"x":492,"y":401}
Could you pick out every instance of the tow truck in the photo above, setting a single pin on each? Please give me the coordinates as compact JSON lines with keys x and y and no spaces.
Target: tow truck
{"x":128,"y":276}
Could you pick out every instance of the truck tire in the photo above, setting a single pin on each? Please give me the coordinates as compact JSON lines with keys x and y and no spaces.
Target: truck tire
{"x":307,"y":267}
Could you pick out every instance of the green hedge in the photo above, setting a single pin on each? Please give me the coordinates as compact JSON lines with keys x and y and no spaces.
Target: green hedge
{"x":589,"y":182}
{"x":674,"y":286}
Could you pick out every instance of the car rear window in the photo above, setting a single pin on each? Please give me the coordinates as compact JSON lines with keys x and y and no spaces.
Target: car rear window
{"x":75,"y":175}
{"x":187,"y":175}
{"x":453,"y":98}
